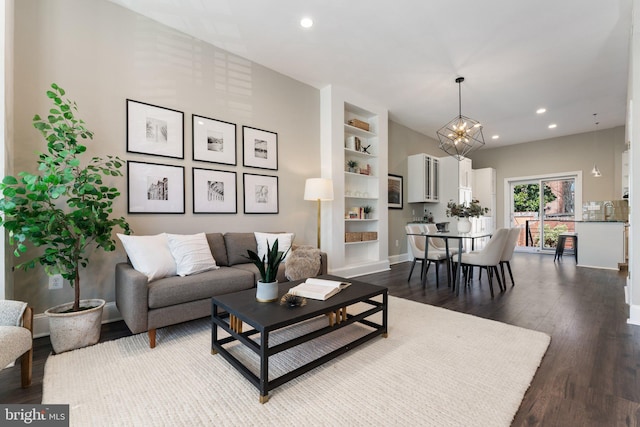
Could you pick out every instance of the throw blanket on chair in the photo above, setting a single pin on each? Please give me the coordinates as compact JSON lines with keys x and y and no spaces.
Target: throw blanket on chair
{"x":302,"y":262}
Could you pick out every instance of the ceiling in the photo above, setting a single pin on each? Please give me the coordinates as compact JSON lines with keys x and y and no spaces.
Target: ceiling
{"x":569,"y":56}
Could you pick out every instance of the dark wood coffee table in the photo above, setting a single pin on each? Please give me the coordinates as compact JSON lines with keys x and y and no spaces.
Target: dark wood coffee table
{"x":265,"y":318}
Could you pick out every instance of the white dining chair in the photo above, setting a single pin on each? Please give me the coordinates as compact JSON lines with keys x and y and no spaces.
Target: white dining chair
{"x":487,"y":258}
{"x":417,"y":244}
{"x":439,"y":244}
{"x":507,"y":253}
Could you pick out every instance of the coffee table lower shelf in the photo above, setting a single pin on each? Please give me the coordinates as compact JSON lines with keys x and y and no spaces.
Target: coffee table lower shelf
{"x":231,"y":321}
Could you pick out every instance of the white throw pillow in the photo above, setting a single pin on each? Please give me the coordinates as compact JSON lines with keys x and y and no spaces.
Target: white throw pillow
{"x":150,"y":255}
{"x":285,"y":240}
{"x":191,"y":253}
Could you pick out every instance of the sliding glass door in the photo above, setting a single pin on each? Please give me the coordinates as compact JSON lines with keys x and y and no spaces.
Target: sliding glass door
{"x":543,"y":207}
{"x":558,"y":210}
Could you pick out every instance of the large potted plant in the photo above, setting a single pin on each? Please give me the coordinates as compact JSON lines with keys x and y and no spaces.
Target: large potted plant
{"x":267,"y":286}
{"x":61,"y":212}
{"x":463,"y":212}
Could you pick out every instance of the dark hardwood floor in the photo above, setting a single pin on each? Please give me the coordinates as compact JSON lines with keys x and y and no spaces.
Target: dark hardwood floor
{"x":590,"y":375}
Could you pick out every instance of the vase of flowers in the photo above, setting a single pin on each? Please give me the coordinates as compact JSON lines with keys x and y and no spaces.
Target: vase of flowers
{"x":464,"y":211}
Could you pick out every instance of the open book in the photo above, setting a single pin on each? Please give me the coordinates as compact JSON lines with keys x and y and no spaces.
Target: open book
{"x":319,"y":289}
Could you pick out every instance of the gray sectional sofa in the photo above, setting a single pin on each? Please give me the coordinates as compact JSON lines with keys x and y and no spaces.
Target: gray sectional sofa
{"x":146,"y":306}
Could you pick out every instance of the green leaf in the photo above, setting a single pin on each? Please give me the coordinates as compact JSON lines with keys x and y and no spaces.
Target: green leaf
{"x":9,"y":180}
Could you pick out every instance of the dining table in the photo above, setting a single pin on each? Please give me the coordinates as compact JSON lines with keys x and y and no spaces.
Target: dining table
{"x":446,"y":236}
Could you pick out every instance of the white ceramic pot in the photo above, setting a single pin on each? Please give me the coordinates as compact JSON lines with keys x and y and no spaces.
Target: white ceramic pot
{"x":69,"y":331}
{"x":267,"y":292}
{"x":464,"y":225}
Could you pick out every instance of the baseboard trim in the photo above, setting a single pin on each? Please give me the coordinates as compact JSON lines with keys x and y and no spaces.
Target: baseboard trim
{"x":397,"y":259}
{"x":634,"y":315}
{"x":110,"y":314}
{"x":361,"y":269}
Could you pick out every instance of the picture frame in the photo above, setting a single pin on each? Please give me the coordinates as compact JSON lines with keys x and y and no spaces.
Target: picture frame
{"x":213,"y":140}
{"x":260,"y":194}
{"x":214,"y":191}
{"x":395,"y":191}
{"x":259,"y":148}
{"x":155,"y":188}
{"x":154,"y":130}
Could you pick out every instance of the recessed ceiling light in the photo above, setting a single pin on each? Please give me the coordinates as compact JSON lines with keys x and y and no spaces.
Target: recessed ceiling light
{"x":541,"y":110}
{"x":495,"y":137}
{"x":306,"y":22}
{"x":553,"y":126}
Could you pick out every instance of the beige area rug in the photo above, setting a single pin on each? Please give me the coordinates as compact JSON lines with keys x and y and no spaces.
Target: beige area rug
{"x":436,"y":368}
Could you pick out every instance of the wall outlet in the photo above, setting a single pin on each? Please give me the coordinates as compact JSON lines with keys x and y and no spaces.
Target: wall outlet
{"x":55,"y":281}
{"x":397,"y":243}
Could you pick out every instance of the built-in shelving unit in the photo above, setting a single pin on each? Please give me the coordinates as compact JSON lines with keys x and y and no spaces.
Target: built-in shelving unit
{"x":354,"y":186}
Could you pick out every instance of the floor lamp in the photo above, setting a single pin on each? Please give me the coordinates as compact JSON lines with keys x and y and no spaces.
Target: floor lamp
{"x":318,"y":189}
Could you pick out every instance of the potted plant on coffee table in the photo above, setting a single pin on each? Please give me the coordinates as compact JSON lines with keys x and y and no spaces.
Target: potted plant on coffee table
{"x":56,"y":215}
{"x":463,"y":212}
{"x":267,"y":286}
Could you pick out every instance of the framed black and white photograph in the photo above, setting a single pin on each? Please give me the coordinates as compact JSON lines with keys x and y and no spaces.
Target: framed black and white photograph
{"x":155,"y":188}
{"x":260,"y":194}
{"x":214,"y":140}
{"x":395,"y":192}
{"x":214,"y":191}
{"x":259,"y":148}
{"x":154,"y":130}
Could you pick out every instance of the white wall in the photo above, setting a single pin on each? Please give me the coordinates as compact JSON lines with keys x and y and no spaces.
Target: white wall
{"x":101,"y":54}
{"x":633,"y":123}
{"x":6,"y":128}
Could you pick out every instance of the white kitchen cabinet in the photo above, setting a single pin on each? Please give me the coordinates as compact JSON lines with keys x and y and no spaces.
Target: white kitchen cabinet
{"x":450,"y":172}
{"x":625,"y":174}
{"x":465,"y":173}
{"x":424,"y":179}
{"x":484,"y":190}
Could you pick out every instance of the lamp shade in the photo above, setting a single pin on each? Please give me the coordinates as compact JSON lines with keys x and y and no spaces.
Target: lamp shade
{"x":318,"y":188}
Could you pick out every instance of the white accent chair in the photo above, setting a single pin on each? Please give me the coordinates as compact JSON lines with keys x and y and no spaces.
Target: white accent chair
{"x":16,"y":337}
{"x":487,"y":258}
{"x":417,"y":244}
{"x":507,"y":254}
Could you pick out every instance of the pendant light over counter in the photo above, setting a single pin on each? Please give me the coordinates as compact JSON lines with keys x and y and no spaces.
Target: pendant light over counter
{"x":595,"y":171}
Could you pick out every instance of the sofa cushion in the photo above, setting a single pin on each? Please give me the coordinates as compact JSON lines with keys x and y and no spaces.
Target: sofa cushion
{"x":218,"y":248}
{"x":266,"y":240}
{"x":191,"y":253}
{"x":150,"y":255}
{"x":237,"y":245}
{"x":176,"y":290}
{"x":302,"y":263}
